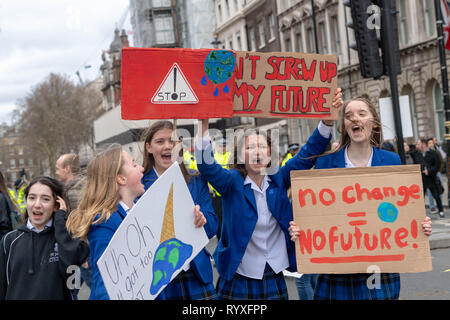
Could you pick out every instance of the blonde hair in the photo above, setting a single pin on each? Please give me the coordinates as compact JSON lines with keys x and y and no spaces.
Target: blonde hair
{"x":100,"y":194}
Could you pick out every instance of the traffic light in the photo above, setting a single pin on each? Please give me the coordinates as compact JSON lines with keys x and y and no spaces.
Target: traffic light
{"x":367,"y":42}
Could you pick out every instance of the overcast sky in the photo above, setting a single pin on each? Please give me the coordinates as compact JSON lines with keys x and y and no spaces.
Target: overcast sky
{"x":38,"y":37}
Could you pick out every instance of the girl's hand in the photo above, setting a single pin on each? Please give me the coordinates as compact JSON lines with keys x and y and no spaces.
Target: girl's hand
{"x":199,"y":219}
{"x":337,"y":103}
{"x":294,"y":231}
{"x":62,"y":203}
{"x":426,"y":226}
{"x":203,"y":127}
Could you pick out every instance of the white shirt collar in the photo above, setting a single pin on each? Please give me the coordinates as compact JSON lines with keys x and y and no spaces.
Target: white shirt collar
{"x":32,"y":228}
{"x":264,"y":184}
{"x":349,"y":164}
{"x":124,"y":206}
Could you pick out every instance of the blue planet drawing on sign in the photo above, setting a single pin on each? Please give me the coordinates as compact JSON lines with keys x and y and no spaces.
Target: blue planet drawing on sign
{"x":387,"y":212}
{"x":169,"y":257}
{"x":219,"y":67}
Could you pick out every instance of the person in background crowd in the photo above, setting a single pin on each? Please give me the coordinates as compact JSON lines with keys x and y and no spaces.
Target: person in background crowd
{"x":35,"y":258}
{"x":361,"y":136}
{"x":196,"y":282}
{"x":431,"y":146}
{"x":291,"y":152}
{"x":20,"y":186}
{"x":6,"y":205}
{"x":409,"y":153}
{"x":430,"y":165}
{"x":68,"y":172}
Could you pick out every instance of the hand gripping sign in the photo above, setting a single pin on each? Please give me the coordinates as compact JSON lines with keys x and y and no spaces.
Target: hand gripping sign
{"x":155,"y":241}
{"x":355,"y":218}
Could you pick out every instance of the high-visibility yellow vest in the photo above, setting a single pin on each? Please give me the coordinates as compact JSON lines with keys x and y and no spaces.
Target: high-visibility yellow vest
{"x":19,"y":198}
{"x":222,"y":159}
{"x":189,"y":160}
{"x":288,"y":156}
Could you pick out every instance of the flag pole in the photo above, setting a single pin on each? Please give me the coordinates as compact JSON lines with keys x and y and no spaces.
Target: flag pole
{"x":444,"y":75}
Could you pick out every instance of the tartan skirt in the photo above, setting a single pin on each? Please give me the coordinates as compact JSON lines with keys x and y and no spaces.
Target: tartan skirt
{"x":186,"y":286}
{"x":355,"y":287}
{"x":271,"y":287}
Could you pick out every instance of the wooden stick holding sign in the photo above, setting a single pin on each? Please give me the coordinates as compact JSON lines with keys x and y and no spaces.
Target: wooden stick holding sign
{"x":355,"y":218}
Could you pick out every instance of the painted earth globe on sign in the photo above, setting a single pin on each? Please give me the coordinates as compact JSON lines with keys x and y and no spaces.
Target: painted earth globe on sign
{"x":219,"y":67}
{"x":169,"y":257}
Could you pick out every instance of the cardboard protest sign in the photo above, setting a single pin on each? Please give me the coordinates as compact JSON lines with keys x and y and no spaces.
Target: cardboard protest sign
{"x":177,"y":83}
{"x":285,"y":85}
{"x":156,"y":240}
{"x":356,"y":218}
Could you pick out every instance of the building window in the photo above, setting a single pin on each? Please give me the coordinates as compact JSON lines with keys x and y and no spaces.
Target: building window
{"x":21,"y":162}
{"x":430,"y":24}
{"x":20,"y":151}
{"x":164,"y":29}
{"x":262,"y":35}
{"x":288,"y":45}
{"x":439,"y":119}
{"x":251,"y":33}
{"x":335,"y":40}
{"x":272,"y":28}
{"x":12,"y":163}
{"x":11,"y":151}
{"x":230,"y":43}
{"x":219,"y":12}
{"x":323,"y":39}
{"x":161,"y":3}
{"x":238,"y":41}
{"x":311,"y":46}
{"x":403,"y":23}
{"x":236,"y":6}
{"x":227,"y":9}
{"x":30,"y":162}
{"x":299,"y":42}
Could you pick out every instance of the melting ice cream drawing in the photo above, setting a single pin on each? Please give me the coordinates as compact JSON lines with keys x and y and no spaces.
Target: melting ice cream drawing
{"x":171,"y":253}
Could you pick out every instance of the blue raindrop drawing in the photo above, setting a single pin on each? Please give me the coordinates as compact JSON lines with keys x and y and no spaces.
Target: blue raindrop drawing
{"x":219,"y":67}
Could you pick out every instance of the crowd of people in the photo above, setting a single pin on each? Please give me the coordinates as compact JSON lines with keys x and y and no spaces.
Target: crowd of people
{"x":69,"y":221}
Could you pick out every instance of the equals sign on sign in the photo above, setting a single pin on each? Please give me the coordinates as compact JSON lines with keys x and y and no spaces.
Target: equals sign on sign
{"x":357,"y":215}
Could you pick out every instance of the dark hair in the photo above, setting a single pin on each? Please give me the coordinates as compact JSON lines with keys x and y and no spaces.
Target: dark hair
{"x":149,"y":160}
{"x":4,"y":190}
{"x":55,"y":186}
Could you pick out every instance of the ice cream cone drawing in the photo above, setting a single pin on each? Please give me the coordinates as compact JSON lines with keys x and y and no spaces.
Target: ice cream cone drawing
{"x":171,"y":253}
{"x":168,"y":229}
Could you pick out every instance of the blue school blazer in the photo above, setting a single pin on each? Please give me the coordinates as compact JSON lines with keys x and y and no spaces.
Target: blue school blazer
{"x":337,"y":160}
{"x":240,"y":215}
{"x":201,"y":264}
{"x":99,"y":237}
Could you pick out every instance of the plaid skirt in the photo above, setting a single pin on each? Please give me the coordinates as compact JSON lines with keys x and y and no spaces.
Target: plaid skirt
{"x":355,"y":287}
{"x":271,"y":287}
{"x":186,"y":286}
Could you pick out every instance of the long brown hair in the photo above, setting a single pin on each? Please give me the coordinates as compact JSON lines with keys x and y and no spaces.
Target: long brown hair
{"x":100,"y":194}
{"x":149,"y":160}
{"x":376,"y":137}
{"x":4,"y":190}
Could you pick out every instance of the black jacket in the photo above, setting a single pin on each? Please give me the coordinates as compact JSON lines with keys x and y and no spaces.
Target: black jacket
{"x":35,"y":265}
{"x":432,"y":163}
{"x":5,"y":219}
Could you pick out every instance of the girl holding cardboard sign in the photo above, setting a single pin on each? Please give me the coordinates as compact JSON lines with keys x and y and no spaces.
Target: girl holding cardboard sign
{"x":195,"y":283}
{"x":361,"y":137}
{"x":254,"y":247}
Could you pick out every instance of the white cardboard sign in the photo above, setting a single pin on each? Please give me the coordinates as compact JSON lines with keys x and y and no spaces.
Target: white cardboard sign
{"x":387,"y":118}
{"x":156,"y":240}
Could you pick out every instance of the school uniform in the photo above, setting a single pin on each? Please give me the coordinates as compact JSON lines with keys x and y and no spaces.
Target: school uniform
{"x":196,"y":281}
{"x":354,"y":286}
{"x":255,"y":245}
{"x":99,"y":236}
{"x":35,"y":264}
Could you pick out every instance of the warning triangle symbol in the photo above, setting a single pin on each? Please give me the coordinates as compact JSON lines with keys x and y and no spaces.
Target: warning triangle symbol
{"x":175,"y":89}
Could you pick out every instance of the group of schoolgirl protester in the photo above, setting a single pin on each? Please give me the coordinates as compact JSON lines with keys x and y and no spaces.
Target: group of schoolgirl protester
{"x":257,"y":232}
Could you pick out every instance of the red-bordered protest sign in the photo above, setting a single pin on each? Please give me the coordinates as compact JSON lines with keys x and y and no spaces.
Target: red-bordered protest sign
{"x":177,"y":83}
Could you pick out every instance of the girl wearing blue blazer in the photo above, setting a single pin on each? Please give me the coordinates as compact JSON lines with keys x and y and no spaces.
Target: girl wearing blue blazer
{"x":254,"y":246}
{"x":196,"y":282}
{"x":361,"y":137}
